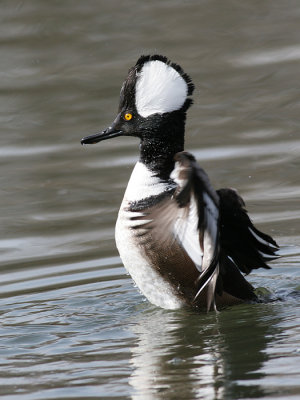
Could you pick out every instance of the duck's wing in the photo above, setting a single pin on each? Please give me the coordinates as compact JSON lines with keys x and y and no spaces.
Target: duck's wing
{"x":243,"y":247}
{"x":195,"y":194}
{"x":190,"y":219}
{"x":248,"y":247}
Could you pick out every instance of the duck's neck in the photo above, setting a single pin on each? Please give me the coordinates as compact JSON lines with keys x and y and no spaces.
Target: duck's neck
{"x":158,"y":150}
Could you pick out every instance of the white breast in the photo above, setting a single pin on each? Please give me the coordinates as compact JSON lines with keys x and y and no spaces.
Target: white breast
{"x":142,"y":184}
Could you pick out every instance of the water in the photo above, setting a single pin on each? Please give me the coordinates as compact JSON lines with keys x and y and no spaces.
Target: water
{"x":72,"y":323}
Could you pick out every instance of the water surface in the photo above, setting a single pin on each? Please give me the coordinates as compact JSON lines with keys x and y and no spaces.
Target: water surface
{"x":72,"y":323}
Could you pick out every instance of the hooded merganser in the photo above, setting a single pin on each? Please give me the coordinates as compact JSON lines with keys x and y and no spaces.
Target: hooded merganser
{"x":182,"y":242}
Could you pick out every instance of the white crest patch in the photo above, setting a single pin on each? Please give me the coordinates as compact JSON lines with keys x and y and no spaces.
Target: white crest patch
{"x":159,"y":89}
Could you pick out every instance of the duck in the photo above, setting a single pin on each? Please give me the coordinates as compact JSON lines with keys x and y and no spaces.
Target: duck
{"x":184,"y":243}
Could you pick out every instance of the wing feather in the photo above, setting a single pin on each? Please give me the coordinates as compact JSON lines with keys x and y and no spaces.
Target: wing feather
{"x":189,"y":218}
{"x":248,"y":247}
{"x":195,"y":194}
{"x":211,"y":228}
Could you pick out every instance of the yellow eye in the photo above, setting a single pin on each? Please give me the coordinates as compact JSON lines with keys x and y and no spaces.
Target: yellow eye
{"x":128,"y":116}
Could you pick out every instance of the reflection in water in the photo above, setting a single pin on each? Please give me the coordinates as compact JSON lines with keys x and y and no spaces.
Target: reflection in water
{"x":172,"y":356}
{"x":204,"y":356}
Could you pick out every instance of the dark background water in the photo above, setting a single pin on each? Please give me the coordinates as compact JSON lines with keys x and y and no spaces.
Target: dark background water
{"x":72,"y":323}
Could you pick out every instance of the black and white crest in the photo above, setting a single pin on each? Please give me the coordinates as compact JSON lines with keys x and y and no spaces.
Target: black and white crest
{"x":155,"y":85}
